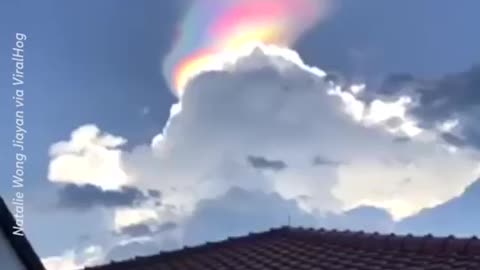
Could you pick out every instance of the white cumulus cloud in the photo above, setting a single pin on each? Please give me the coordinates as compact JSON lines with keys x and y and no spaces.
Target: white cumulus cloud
{"x":71,"y":259}
{"x":269,"y":104}
{"x":89,"y":157}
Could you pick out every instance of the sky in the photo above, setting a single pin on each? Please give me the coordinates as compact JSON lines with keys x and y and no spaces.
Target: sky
{"x":356,"y":115}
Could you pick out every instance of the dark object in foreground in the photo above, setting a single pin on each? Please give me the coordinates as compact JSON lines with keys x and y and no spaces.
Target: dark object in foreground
{"x":15,"y":250}
{"x":306,"y":249}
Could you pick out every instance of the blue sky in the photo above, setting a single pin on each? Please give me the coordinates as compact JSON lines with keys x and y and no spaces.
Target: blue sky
{"x":101,"y":63}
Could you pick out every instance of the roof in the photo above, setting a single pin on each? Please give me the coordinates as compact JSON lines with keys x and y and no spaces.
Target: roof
{"x":20,"y":244}
{"x":308,"y":249}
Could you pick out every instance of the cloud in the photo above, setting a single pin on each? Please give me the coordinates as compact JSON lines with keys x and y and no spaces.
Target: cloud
{"x":154,"y":193}
{"x":370,"y":219}
{"x":269,"y":103}
{"x":455,"y":93}
{"x":134,"y":249}
{"x":125,"y":217}
{"x":72,"y":259}
{"x":397,"y":83}
{"x":128,"y":250}
{"x":321,"y":161}
{"x":146,"y":220}
{"x":239,"y":212}
{"x":391,"y":114}
{"x":87,"y":196}
{"x":453,"y":139}
{"x":263,"y":163}
{"x":439,"y":103}
{"x":139,"y":240}
{"x":89,"y":157}
{"x":166,"y":226}
{"x":65,"y":262}
{"x":143,"y":229}
{"x":457,"y":216}
{"x":136,"y":230}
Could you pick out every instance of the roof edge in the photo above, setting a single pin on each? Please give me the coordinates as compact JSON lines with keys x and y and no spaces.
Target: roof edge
{"x":20,"y":244}
{"x":427,"y":244}
{"x":401,"y":242}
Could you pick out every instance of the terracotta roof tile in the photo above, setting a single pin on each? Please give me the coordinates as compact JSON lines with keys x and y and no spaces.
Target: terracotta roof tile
{"x":307,"y":249}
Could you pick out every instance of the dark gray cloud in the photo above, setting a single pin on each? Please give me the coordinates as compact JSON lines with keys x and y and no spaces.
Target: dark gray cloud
{"x":402,"y":139}
{"x":470,"y":127}
{"x":145,"y":229}
{"x":452,"y":95}
{"x":87,"y":196}
{"x":393,"y":122}
{"x":167,"y":226}
{"x":136,"y":230}
{"x":321,"y":161}
{"x":455,"y":96}
{"x":154,"y":193}
{"x":265,"y":164}
{"x":453,"y":139}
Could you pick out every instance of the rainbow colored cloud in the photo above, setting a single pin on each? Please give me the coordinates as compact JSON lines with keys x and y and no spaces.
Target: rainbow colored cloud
{"x":213,"y":27}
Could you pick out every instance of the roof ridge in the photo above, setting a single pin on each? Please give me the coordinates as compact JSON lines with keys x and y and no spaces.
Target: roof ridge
{"x":426,"y":244}
{"x":401,"y":242}
{"x":186,"y":249}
